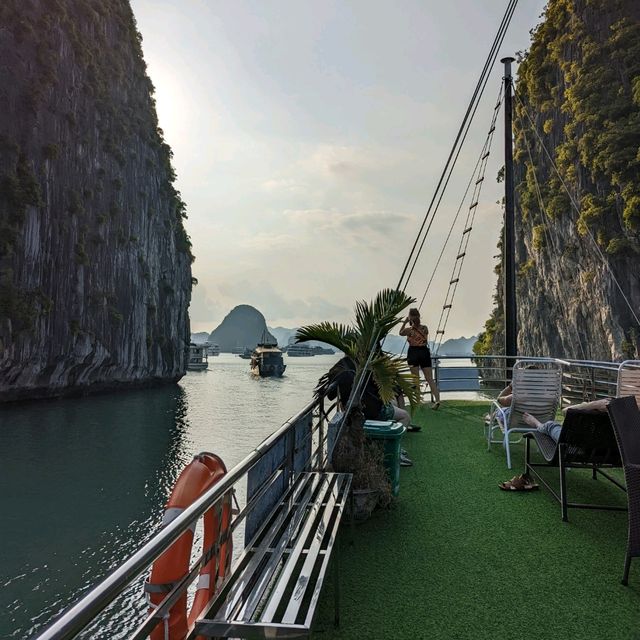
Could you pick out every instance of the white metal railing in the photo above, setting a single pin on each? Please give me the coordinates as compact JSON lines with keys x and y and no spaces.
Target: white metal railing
{"x":300,"y":444}
{"x":582,"y":380}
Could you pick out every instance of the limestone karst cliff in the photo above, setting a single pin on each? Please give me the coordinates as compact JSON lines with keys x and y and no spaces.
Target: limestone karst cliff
{"x":580,"y":85}
{"x":243,"y":327}
{"x":95,"y":263}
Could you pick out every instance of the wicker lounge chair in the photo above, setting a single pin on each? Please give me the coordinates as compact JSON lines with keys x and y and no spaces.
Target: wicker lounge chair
{"x":586,"y":440}
{"x":536,"y":391}
{"x":625,"y":417}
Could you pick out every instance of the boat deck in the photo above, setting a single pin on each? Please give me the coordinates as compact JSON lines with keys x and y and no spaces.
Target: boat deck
{"x":455,"y":557}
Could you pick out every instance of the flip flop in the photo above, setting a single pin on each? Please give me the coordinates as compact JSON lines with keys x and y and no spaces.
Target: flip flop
{"x":436,"y":406}
{"x":519,"y":483}
{"x":414,"y":427}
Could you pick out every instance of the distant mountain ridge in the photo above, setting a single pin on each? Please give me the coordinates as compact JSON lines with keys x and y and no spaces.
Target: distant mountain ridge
{"x":245,"y":325}
{"x":452,"y":347}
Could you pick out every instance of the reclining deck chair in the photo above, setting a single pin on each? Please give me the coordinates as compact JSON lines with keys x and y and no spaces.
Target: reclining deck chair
{"x":629,"y":380}
{"x":586,"y":441}
{"x":625,"y":417}
{"x":536,"y":390}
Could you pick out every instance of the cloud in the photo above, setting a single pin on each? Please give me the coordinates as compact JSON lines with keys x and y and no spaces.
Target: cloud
{"x":355,"y":226}
{"x":202,"y":307}
{"x":278,"y":307}
{"x":267,"y":241}
{"x":286,"y":185}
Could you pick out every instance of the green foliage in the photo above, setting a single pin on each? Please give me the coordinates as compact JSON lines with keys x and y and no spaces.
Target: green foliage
{"x":19,"y":189}
{"x":75,"y":207}
{"x":80,"y":254}
{"x":591,"y":81}
{"x":114,"y":315}
{"x":526,"y":267}
{"x":21,"y":307}
{"x":50,"y":151}
{"x":373,"y":321}
{"x":74,"y":327}
{"x":537,"y":239}
{"x":580,"y":85}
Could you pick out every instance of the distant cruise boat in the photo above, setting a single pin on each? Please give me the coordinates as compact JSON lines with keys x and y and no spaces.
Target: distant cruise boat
{"x":197,"y":357}
{"x":266,"y":360}
{"x":238,"y":350}
{"x":300,"y":351}
{"x":213,"y":349}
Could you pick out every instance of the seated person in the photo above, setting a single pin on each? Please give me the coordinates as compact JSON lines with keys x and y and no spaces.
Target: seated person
{"x":553,"y":428}
{"x":504,"y":400}
{"x":343,"y":372}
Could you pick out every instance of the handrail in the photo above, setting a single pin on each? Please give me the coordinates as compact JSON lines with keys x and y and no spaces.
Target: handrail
{"x":79,"y":615}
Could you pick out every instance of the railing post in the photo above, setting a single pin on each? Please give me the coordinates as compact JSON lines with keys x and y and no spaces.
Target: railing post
{"x":291,"y":452}
{"x":321,"y":431}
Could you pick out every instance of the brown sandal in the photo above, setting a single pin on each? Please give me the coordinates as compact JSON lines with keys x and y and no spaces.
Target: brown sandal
{"x":519,"y":483}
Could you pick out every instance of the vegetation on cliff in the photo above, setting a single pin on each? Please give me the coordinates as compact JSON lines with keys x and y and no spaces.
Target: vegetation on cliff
{"x":94,"y":256}
{"x":579,"y":87}
{"x":42,"y":27}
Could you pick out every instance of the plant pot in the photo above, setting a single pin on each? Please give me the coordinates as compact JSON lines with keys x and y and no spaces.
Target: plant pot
{"x":364,"y":502}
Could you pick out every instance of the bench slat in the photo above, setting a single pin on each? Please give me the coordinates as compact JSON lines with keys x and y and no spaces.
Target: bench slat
{"x":303,"y":580}
{"x":342,"y":498}
{"x":265,"y":574}
{"x":302,"y":514}
{"x":299,"y":495}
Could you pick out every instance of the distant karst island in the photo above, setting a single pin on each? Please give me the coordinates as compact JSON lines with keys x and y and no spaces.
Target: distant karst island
{"x":244,"y":327}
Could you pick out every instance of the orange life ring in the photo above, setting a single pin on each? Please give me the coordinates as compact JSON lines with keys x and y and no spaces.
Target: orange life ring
{"x":199,"y":475}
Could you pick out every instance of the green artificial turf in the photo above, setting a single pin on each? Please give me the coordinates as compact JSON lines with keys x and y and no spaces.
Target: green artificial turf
{"x":455,"y":557}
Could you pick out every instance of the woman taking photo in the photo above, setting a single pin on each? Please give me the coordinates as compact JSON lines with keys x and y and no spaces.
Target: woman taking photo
{"x":419,"y":355}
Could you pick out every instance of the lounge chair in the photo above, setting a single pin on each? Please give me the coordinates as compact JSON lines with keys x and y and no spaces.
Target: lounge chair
{"x":587,"y":441}
{"x":629,"y":380}
{"x":536,"y":391}
{"x":625,"y":417}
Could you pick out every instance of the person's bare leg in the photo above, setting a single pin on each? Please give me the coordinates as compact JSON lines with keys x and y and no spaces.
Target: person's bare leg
{"x":415,"y":372}
{"x":435,"y":392}
{"x":532,"y":421}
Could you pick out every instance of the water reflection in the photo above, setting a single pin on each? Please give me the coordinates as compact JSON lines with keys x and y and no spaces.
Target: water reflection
{"x":84,"y":481}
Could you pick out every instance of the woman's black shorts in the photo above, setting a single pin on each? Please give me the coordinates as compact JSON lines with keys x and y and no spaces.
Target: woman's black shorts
{"x":419,"y":357}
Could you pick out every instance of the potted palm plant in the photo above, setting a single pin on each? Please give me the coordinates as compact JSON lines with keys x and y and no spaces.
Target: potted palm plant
{"x":368,"y":368}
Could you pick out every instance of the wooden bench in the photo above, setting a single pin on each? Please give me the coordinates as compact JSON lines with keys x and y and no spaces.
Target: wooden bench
{"x":275,"y":585}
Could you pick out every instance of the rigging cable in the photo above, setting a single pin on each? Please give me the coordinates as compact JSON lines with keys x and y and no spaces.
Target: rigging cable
{"x":462,"y":200}
{"x":360,"y":382}
{"x":457,"y":145}
{"x":467,"y":228}
{"x":475,"y":172}
{"x":576,"y":208}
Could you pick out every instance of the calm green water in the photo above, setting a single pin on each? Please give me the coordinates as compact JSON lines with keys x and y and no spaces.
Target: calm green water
{"x":84,"y":480}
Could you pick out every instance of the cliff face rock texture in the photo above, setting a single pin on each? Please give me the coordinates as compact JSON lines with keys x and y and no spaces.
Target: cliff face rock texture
{"x":580,"y":86}
{"x":244,"y":326}
{"x":95,"y":263}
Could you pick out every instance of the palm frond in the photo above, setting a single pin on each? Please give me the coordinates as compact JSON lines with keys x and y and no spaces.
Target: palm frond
{"x":387,"y":307}
{"x":392,"y":375}
{"x":340,"y":336}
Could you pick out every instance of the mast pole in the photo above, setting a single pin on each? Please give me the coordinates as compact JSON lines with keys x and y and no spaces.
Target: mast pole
{"x":510,"y":318}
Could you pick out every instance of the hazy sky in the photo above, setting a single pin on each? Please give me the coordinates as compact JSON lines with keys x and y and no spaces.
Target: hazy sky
{"x":308,"y":139}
